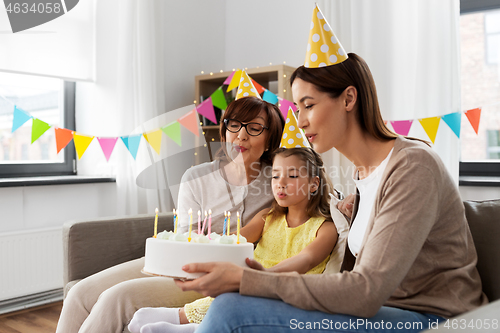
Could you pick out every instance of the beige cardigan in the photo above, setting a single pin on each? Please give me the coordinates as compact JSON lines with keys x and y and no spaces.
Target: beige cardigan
{"x":417,"y":253}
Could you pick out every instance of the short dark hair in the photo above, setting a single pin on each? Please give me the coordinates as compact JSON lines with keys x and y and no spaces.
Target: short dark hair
{"x":247,"y":108}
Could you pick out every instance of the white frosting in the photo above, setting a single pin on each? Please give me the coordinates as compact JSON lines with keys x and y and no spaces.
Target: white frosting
{"x":165,"y":234}
{"x":166,"y":257}
{"x":201,"y":239}
{"x":179,"y":238}
{"x":225,"y":240}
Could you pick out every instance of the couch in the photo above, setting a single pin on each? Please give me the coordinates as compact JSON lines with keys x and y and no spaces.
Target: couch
{"x":91,"y":246}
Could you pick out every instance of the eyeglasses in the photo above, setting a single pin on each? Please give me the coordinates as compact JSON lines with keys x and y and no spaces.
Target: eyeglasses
{"x":253,"y":129}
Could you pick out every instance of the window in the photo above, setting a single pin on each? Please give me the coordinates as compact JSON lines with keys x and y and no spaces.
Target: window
{"x":50,"y":100}
{"x":480,"y":72}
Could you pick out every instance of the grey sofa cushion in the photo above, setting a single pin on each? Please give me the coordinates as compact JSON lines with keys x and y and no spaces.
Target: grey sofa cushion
{"x":91,"y":246}
{"x":484,"y":222}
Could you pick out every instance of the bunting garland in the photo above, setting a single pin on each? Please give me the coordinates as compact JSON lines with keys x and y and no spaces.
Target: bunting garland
{"x":82,"y":142}
{"x":63,"y":137}
{"x":20,"y":117}
{"x":453,"y":120}
{"x":270,"y":97}
{"x":474,"y":115}
{"x":154,"y":140}
{"x":173,"y":131}
{"x":132,"y":143}
{"x":39,"y":127}
{"x":206,"y":109}
{"x":402,"y":127}
{"x":190,"y":121}
{"x":430,"y":126}
{"x":107,"y":146}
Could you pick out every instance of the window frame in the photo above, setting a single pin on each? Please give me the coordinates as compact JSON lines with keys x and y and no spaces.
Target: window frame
{"x":51,"y":169}
{"x":480,"y":168}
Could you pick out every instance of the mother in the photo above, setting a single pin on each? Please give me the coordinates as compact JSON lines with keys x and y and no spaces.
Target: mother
{"x":250,"y":130}
{"x":410,"y":257}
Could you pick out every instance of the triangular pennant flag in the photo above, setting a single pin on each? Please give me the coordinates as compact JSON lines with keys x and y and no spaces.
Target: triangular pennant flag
{"x":107,"y":146}
{"x":453,"y":120}
{"x":323,"y":48}
{"x":39,"y":127}
{"x":292,"y":134}
{"x":132,"y":143}
{"x":219,"y":100}
{"x":474,"y":115}
{"x":173,"y":131}
{"x":270,"y":97}
{"x":235,"y":80}
{"x":260,"y":89}
{"x":229,"y":78}
{"x":206,"y":109}
{"x":154,"y":139}
{"x":430,"y":126}
{"x":82,"y":142}
{"x":20,"y":117}
{"x":63,"y":137}
{"x":285,"y":105}
{"x":402,"y":127}
{"x":246,"y":87}
{"x":190,"y":121}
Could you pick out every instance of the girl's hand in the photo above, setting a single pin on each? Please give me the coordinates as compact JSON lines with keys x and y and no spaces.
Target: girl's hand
{"x":221,"y":277}
{"x":254,"y":264}
{"x":345,"y":206}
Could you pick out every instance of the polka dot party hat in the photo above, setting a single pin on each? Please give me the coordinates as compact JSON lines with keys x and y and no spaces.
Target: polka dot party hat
{"x":323,"y":48}
{"x":292,"y":134}
{"x":246,"y":87}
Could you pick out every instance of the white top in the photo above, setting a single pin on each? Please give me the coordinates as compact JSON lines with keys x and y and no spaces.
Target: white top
{"x":203,"y":187}
{"x":367,"y":192}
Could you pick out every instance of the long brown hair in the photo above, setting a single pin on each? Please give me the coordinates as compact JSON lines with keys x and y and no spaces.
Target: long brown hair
{"x":246,"y":109}
{"x":352,"y":72}
{"x":319,"y":202}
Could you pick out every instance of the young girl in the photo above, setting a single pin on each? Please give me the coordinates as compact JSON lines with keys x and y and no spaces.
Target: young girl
{"x":295,"y":234}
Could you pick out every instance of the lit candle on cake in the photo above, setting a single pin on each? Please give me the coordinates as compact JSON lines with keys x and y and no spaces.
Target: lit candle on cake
{"x":228,"y":222}
{"x":190,"y":212}
{"x":225,"y":223}
{"x":238,"y":228}
{"x":175,"y":227}
{"x":204,"y":223}
{"x":209,"y":223}
{"x":156,"y":222}
{"x":199,"y":222}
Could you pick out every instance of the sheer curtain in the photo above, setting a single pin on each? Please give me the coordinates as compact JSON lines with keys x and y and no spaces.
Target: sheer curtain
{"x":412,"y":48}
{"x":141,"y":87}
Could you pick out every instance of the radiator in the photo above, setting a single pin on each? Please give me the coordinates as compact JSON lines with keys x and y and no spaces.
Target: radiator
{"x":30,"y":262}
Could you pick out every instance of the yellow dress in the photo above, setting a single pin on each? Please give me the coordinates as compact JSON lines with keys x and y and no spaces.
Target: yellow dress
{"x":278,"y":242}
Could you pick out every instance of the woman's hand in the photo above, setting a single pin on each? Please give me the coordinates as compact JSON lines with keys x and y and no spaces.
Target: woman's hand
{"x":345,"y":206}
{"x":221,"y":277}
{"x":254,"y":264}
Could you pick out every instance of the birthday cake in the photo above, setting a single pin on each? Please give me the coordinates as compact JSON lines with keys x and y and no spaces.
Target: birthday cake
{"x":168,"y":252}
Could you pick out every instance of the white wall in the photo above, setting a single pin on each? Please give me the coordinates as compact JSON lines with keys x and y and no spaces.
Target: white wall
{"x":262,"y":32}
{"x":38,"y":207}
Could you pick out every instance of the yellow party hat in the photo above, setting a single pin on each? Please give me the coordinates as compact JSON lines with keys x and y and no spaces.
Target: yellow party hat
{"x":323,"y":48}
{"x":246,"y":87}
{"x":292,"y":135}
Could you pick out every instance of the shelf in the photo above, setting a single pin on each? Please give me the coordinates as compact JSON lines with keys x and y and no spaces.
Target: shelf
{"x":206,"y":84}
{"x":211,"y":127}
{"x":274,"y":78}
